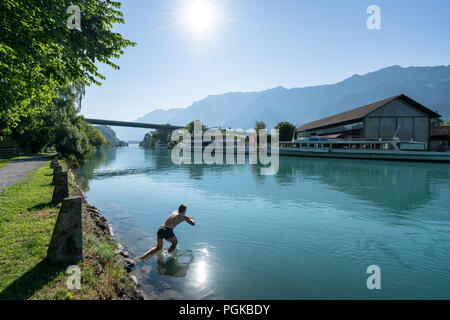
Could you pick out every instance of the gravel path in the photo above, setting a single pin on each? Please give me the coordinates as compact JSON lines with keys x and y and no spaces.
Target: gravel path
{"x":16,"y":170}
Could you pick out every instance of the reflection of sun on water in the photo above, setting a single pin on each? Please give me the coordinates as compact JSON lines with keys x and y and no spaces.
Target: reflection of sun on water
{"x":201,"y":272}
{"x":205,"y":252}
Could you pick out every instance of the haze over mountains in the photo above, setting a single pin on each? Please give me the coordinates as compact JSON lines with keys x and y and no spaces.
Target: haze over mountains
{"x":428,"y":85}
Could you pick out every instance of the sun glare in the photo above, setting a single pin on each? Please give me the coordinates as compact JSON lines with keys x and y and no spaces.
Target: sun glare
{"x":200,"y":15}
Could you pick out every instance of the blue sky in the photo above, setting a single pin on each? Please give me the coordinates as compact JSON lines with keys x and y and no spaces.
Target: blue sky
{"x":254,"y":45}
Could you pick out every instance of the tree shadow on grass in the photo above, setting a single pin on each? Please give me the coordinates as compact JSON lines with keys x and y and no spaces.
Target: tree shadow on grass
{"x":30,"y":282}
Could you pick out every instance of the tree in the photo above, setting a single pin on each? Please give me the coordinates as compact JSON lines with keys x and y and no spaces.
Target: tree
{"x":161,"y":135}
{"x":39,"y":54}
{"x":190,"y":127}
{"x":286,"y":130}
{"x":61,"y":126}
{"x":71,"y":137}
{"x":447,"y":123}
{"x":96,"y":138}
{"x":110,"y":136}
{"x":149,"y":141}
{"x":435,"y":122}
{"x":259,"y":125}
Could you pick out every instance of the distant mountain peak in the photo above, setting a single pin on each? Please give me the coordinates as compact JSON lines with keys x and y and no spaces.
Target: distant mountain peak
{"x":428,"y":85}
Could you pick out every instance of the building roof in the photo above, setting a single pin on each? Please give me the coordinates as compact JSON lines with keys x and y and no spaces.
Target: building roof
{"x":361,"y":112}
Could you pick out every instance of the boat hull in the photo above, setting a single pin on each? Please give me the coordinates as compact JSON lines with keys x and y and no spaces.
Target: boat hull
{"x":371,"y":155}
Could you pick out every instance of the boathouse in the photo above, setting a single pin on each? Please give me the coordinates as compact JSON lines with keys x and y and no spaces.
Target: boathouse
{"x":398,"y":116}
{"x":440,"y":138}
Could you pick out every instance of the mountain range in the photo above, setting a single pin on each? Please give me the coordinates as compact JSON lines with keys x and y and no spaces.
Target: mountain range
{"x":428,"y":85}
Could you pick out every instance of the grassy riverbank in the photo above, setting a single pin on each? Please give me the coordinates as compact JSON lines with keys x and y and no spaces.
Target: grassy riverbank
{"x":27,"y":220}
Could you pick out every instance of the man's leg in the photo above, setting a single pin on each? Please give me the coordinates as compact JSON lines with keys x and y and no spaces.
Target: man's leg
{"x":158,"y":247}
{"x":174,"y":242}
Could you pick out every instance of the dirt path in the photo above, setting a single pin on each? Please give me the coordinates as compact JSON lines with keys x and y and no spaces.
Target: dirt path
{"x":16,"y":170}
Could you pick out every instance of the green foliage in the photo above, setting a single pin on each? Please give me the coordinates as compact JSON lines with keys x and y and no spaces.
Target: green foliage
{"x":72,"y":142}
{"x":437,"y":122}
{"x":39,"y":53}
{"x":161,"y":135}
{"x":110,"y":136}
{"x":190,"y":127}
{"x":286,"y":130}
{"x":103,"y":250}
{"x":61,"y":126}
{"x":95,"y":137}
{"x":149,"y":140}
{"x":259,"y":125}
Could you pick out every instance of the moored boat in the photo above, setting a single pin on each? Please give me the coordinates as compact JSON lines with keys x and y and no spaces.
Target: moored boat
{"x":380,"y":149}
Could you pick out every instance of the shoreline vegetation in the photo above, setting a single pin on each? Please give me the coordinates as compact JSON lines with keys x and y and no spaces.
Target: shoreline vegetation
{"x":43,"y":84}
{"x":27,"y":219}
{"x":162,"y":137}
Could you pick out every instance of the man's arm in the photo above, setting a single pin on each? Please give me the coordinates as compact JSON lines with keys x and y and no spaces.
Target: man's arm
{"x":189,"y":220}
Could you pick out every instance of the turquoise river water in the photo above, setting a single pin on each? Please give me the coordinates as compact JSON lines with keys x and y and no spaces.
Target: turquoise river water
{"x":308,"y":232}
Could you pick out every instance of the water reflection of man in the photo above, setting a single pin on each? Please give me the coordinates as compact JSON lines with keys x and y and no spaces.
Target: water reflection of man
{"x":166,"y":230}
{"x":173,"y":267}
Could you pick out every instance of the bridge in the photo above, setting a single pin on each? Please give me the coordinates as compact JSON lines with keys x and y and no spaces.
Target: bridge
{"x":131,"y":124}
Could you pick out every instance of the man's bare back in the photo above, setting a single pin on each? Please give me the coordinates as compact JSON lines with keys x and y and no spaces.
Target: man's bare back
{"x":175,"y":218}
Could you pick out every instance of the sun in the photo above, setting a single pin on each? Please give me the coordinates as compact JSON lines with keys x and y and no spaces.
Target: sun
{"x":200,"y":15}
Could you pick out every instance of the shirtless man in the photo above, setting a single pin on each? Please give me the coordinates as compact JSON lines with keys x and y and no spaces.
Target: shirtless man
{"x":166,"y":230}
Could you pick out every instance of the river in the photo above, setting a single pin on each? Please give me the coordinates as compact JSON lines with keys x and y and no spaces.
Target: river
{"x":308,"y":232}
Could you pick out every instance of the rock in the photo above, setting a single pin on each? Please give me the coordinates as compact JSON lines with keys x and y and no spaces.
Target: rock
{"x":135,"y":280}
{"x":66,"y":245}
{"x":133,"y":293}
{"x":54,"y":163}
{"x":56,"y":171}
{"x":171,"y":295}
{"x":146,"y":270}
{"x":152,"y":295}
{"x":93,"y":215}
{"x":100,"y":221}
{"x":129,"y":264}
{"x":147,"y":288}
{"x":91,"y":207}
{"x":119,"y":251}
{"x":124,"y":254}
{"x":138,"y":294}
{"x":161,"y":285}
{"x":61,"y":190}
{"x":111,"y":231}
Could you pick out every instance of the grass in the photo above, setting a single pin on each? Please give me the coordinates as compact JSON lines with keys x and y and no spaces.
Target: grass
{"x":27,"y":220}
